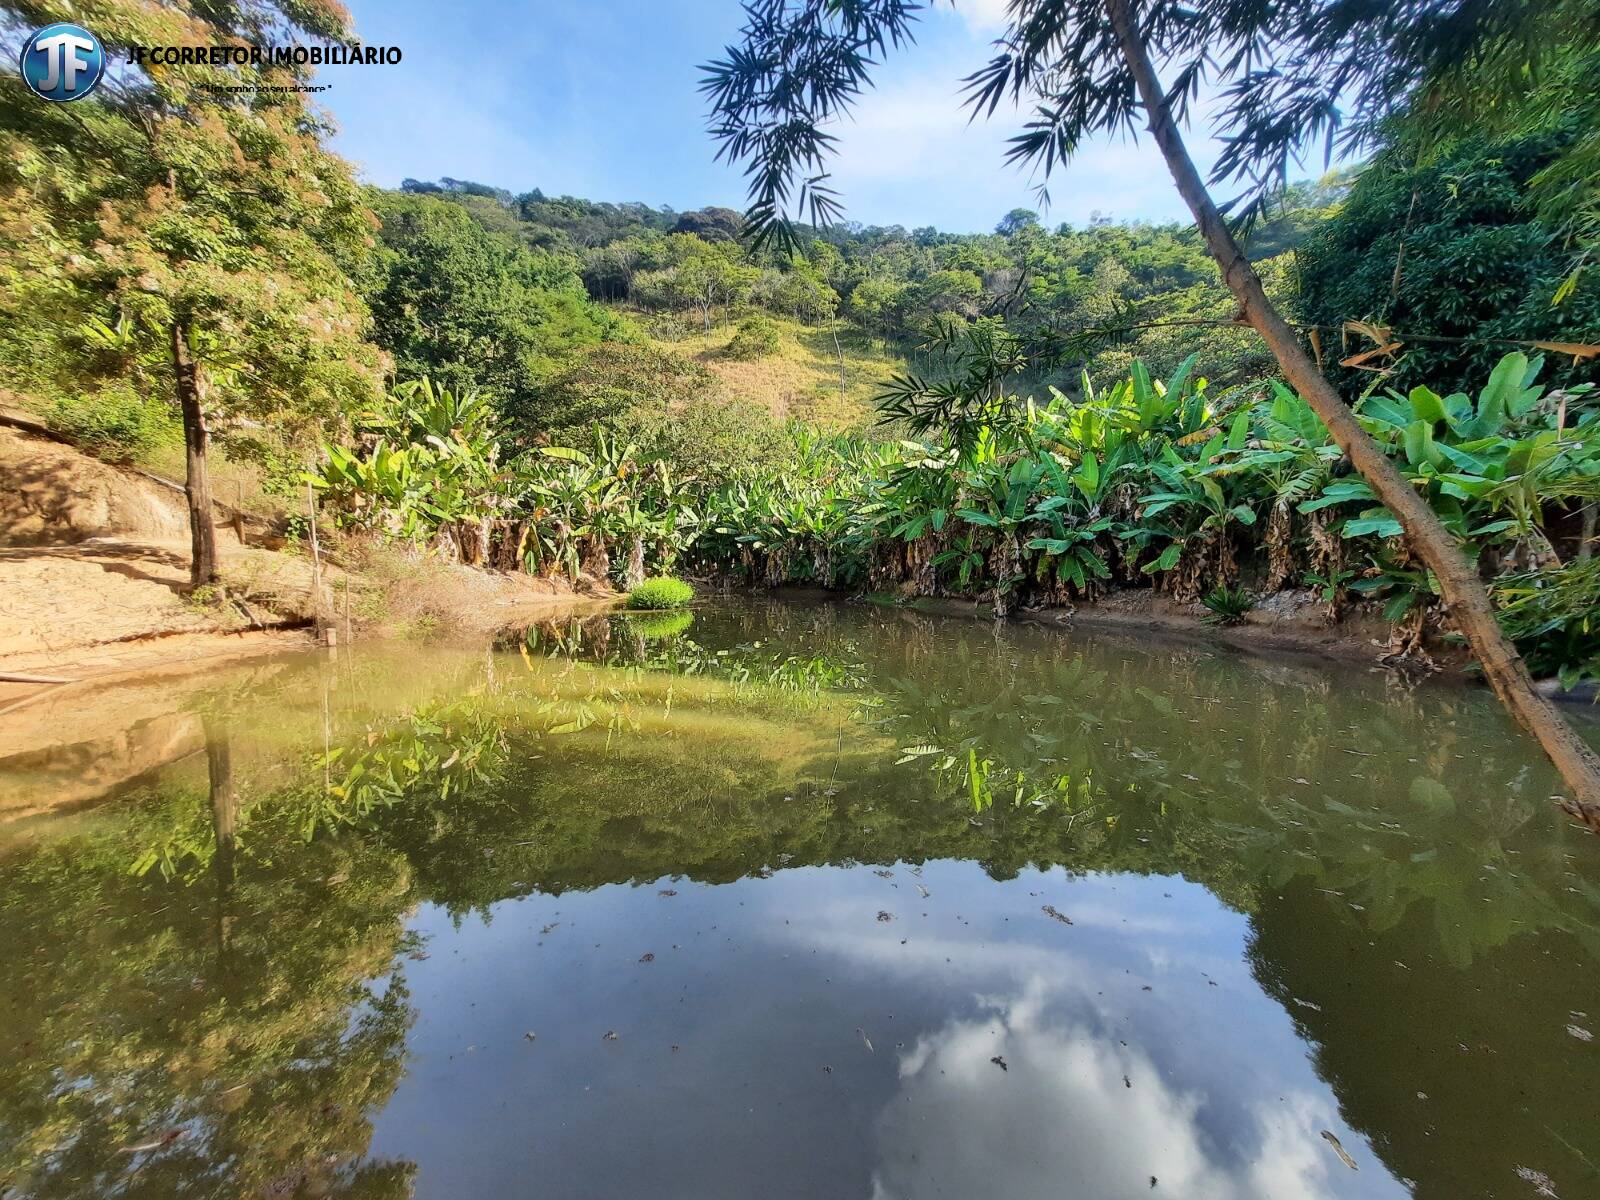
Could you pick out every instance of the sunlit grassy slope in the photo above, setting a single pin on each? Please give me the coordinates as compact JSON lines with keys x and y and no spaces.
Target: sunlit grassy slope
{"x":802,"y":379}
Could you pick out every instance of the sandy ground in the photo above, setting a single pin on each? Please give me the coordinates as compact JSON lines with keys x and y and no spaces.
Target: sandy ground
{"x":94,"y":580}
{"x":56,"y":601}
{"x":108,"y":606}
{"x":114,"y":606}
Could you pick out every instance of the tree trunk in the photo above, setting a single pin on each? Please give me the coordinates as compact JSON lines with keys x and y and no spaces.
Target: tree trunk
{"x":1464,"y":594}
{"x":833,"y":328}
{"x":197,"y":478}
{"x":634,"y":575}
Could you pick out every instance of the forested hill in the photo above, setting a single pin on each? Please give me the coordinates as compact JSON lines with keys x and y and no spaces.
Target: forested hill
{"x":665,"y":326}
{"x":808,"y":335}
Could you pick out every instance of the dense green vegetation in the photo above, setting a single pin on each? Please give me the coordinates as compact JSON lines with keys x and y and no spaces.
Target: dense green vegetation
{"x":1176,"y":484}
{"x":1451,"y":249}
{"x":662,"y":591}
{"x":678,"y":272}
{"x":453,"y":301}
{"x":1285,"y":77}
{"x":560,"y":385}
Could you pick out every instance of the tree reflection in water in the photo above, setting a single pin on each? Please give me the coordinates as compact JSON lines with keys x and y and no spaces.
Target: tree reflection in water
{"x":207,"y":972}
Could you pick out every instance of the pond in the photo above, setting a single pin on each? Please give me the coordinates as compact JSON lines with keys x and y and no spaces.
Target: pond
{"x":793,"y":900}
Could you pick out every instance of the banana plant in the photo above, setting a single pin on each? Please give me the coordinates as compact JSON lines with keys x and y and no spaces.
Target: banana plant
{"x":1070,"y":515}
{"x":1194,"y":490}
{"x":1402,"y":587}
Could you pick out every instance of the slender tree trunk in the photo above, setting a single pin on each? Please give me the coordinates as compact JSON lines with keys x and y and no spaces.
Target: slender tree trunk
{"x":833,"y":328}
{"x":197,"y":477}
{"x":1464,"y":594}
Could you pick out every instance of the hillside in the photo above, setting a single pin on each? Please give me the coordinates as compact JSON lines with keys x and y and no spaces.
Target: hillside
{"x":807,"y":375}
{"x":869,"y":294}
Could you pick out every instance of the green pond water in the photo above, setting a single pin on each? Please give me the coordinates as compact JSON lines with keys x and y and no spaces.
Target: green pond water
{"x":792,"y":900}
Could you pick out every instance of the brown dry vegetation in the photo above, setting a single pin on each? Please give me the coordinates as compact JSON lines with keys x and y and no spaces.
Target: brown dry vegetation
{"x":802,"y":379}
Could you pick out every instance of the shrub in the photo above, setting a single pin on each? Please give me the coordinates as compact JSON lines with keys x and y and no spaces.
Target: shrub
{"x":1228,"y":605}
{"x":756,"y":337}
{"x":661,"y":592}
{"x":115,"y":423}
{"x":615,"y":383}
{"x":1550,"y":615}
{"x":1477,"y":264}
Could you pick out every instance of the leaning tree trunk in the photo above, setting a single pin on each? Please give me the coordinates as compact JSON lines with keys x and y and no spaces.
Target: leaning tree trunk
{"x":196,"y":442}
{"x":1464,"y":594}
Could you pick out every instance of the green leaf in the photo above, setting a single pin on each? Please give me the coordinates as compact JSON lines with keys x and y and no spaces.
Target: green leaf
{"x":1386,"y":411}
{"x":1240,"y":431}
{"x":1398,"y":606}
{"x":1168,"y":560}
{"x":1418,"y":440}
{"x":1379,"y":521}
{"x":1427,"y":405}
{"x":1087,"y":477}
{"x":1340,"y":491}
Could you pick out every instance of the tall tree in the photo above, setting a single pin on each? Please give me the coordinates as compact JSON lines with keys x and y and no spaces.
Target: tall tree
{"x":473,"y":309}
{"x":1290,"y":75}
{"x":221,"y":229}
{"x":1409,"y":237}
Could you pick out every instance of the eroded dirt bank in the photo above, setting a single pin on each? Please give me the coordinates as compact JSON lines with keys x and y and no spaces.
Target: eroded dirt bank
{"x":94,"y":581}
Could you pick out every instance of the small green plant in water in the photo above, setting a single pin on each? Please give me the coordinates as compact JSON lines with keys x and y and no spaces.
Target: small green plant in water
{"x":661,"y":592}
{"x":1228,"y":606}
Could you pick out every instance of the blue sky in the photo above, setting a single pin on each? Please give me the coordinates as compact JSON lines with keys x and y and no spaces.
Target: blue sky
{"x":598,"y":98}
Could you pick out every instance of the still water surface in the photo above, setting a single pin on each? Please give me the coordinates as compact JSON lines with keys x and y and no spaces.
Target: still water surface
{"x":794,"y":901}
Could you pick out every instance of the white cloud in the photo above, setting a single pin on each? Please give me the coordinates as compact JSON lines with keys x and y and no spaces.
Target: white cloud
{"x":909,"y":155}
{"x":986,"y":17}
{"x":1099,"y":1092}
{"x":1075,"y":1114}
